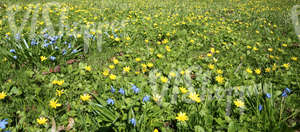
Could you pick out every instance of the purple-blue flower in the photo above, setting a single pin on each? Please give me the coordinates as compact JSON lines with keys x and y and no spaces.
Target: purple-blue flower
{"x":260,"y":107}
{"x":52,"y":58}
{"x":112,"y":89}
{"x":287,"y":90}
{"x":135,"y":89}
{"x":110,"y":101}
{"x":146,"y":98}
{"x":133,"y":121}
{"x":3,"y":124}
{"x":15,"y":57}
{"x":122,"y":91}
{"x":12,"y":51}
{"x":268,"y":95}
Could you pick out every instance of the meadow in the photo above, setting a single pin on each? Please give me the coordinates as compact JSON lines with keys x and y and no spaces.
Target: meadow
{"x":141,"y":66}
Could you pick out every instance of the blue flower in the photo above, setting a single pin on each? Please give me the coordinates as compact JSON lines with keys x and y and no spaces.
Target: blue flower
{"x":284,"y":94}
{"x":260,"y":107}
{"x":52,"y":58}
{"x":135,"y":89}
{"x":133,"y":121}
{"x":110,"y":101}
{"x":12,"y":51}
{"x":70,"y":45}
{"x":15,"y":57}
{"x":64,"y":52}
{"x":45,"y":45}
{"x":287,"y":90}
{"x":112,"y":89}
{"x":17,"y":36}
{"x":3,"y":124}
{"x":74,"y":51}
{"x":122,"y":91}
{"x":33,"y":42}
{"x":268,"y":95}
{"x":56,"y":47}
{"x":146,"y":98}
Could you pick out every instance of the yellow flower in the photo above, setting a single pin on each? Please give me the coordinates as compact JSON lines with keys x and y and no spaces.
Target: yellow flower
{"x":159,"y":55}
{"x":146,"y":41}
{"x":168,"y":48}
{"x":111,"y":66}
{"x":88,"y":68}
{"x":268,"y":69}
{"x":182,"y":72}
{"x":150,"y":65}
{"x":257,"y":71}
{"x":117,"y":39}
{"x":116,"y":61}
{"x":105,"y":72}
{"x":209,"y":54}
{"x":195,"y":97}
{"x":249,"y":70}
{"x":156,"y":97}
{"x":144,"y":65}
{"x":211,"y":66}
{"x":212,"y":50}
{"x":219,"y":71}
{"x":2,"y":95}
{"x":41,"y":120}
{"x":54,"y":104}
{"x":183,"y":90}
{"x":286,"y":66}
{"x":219,"y":79}
{"x":182,"y":117}
{"x":126,"y":69}
{"x":249,"y":47}
{"x":155,"y":130}
{"x":59,"y":92}
{"x":239,"y":103}
{"x":270,"y":49}
{"x":43,"y":58}
{"x":85,"y":97}
{"x":164,"y":79}
{"x":172,"y":74}
{"x":112,"y":77}
{"x":165,"y":41}
{"x":255,"y":49}
{"x":138,"y":59}
{"x":61,"y":82}
{"x":284,"y":45}
{"x":192,"y":41}
{"x":127,"y":38}
{"x":294,"y":58}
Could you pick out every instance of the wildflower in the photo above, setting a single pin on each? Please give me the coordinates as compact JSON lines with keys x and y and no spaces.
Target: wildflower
{"x":135,"y":89}
{"x":133,"y":121}
{"x":74,"y":51}
{"x":172,"y":74}
{"x":15,"y":57}
{"x":88,"y":68}
{"x":110,"y":101}
{"x":146,"y":98}
{"x":115,"y":61}
{"x":249,"y":70}
{"x":112,"y":89}
{"x":54,"y":104}
{"x":284,"y":45}
{"x":211,"y":66}
{"x":156,"y":97}
{"x":284,"y":94}
{"x":182,"y":72}
{"x":126,"y":69}
{"x":168,"y":48}
{"x":122,"y":91}
{"x":294,"y":58}
{"x":138,"y":59}
{"x":85,"y":97}
{"x":41,"y":120}
{"x":260,"y":107}
{"x":239,"y":103}
{"x":111,"y":66}
{"x":209,"y":54}
{"x":12,"y":51}
{"x":195,"y":97}
{"x":52,"y":58}
{"x":219,"y":79}
{"x":182,"y":117}
{"x":219,"y":71}
{"x":59,"y":92}
{"x":106,"y":72}
{"x":286,"y":66}
{"x":257,"y":71}
{"x":3,"y":124}
{"x":2,"y":95}
{"x":268,"y":95}
{"x":268,"y":69}
{"x":212,"y":50}
{"x":43,"y":58}
{"x":270,"y":49}
{"x":287,"y":90}
{"x":183,"y":90}
{"x":112,"y":77}
{"x":146,"y":41}
{"x":155,"y":130}
{"x":164,"y":79}
{"x":150,"y":65}
{"x":117,"y":39}
{"x":159,"y":55}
